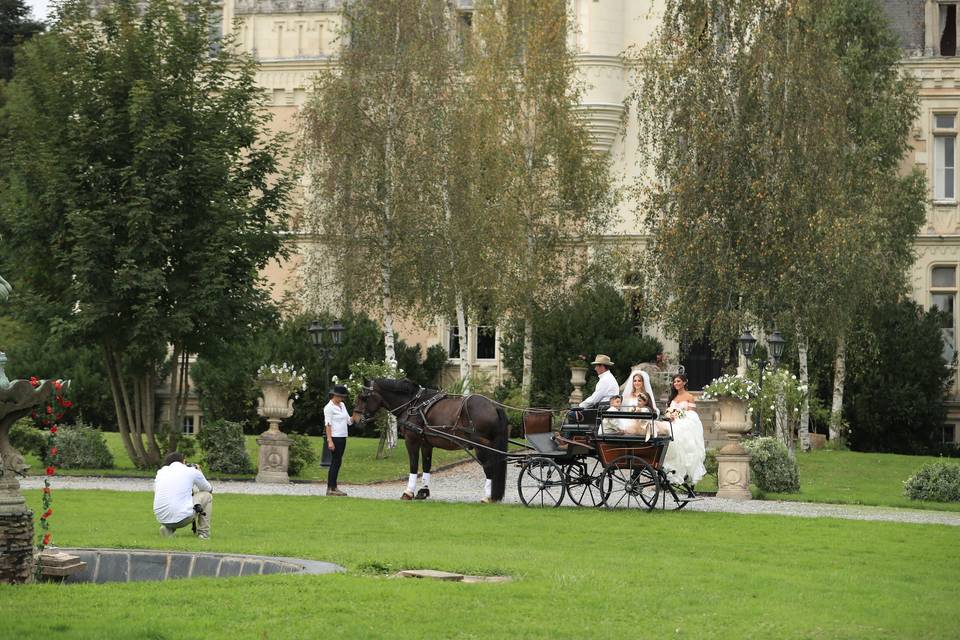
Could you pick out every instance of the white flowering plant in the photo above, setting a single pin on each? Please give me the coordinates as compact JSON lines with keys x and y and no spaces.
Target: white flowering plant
{"x":736,"y":386}
{"x":286,"y":376}
{"x":368,"y":370}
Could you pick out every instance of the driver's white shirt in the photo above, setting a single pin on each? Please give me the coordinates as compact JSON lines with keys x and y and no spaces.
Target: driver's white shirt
{"x":607,"y":387}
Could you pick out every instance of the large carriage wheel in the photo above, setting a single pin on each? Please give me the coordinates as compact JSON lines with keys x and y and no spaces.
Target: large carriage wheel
{"x":541,"y":483}
{"x":630,"y":481}
{"x":584,"y":482}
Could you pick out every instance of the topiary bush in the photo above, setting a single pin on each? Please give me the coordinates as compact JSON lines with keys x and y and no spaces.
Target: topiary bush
{"x":27,"y":439}
{"x":771,"y":466}
{"x":711,"y":464}
{"x":937,"y":481}
{"x":223,"y":448}
{"x":82,"y":447}
{"x":302,"y":454}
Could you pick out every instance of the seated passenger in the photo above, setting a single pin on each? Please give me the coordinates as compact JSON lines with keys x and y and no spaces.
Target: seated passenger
{"x":606,"y":388}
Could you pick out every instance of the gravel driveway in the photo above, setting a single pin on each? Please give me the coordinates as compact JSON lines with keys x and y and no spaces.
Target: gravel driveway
{"x":464,"y":483}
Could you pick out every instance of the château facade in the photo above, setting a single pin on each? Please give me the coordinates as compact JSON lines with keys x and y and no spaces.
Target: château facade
{"x":293,"y":39}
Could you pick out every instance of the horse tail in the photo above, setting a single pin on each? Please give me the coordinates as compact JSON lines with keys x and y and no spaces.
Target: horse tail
{"x":499,"y":462}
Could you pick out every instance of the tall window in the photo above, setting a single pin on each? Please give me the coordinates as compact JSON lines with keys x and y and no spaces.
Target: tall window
{"x":944,"y":156}
{"x":453,"y":341}
{"x":188,"y":425}
{"x":948,"y":29}
{"x":943,"y":296}
{"x":486,"y":343}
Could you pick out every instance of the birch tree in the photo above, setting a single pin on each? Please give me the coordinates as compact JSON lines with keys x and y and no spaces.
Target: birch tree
{"x":557,"y":190}
{"x":367,"y":153}
{"x":774,"y":191}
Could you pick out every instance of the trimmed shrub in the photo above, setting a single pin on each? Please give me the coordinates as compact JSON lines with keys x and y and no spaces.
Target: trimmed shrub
{"x":27,"y":439}
{"x":82,"y":447}
{"x":223,"y":449}
{"x":302,"y":454}
{"x":937,"y":481}
{"x":772,"y":467}
{"x":187,"y":445}
{"x":711,"y":464}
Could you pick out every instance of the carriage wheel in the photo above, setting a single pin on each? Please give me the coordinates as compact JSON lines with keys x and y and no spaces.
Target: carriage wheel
{"x":630,"y":481}
{"x":541,"y":483}
{"x":584,"y":479}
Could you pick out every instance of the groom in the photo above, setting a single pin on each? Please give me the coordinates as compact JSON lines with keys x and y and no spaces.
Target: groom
{"x":607,"y":387}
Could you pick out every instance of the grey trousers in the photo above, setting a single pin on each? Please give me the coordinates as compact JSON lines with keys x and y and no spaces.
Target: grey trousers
{"x":205,"y":500}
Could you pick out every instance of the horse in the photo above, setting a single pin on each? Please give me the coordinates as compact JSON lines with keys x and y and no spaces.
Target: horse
{"x":429,"y":418}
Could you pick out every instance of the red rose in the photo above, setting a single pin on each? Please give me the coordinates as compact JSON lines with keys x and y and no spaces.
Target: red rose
{"x":53,"y":451}
{"x":46,"y":490}
{"x":34,"y":381}
{"x":51,"y":471}
{"x":68,"y":403}
{"x":57,"y":385}
{"x":53,"y":431}
{"x":59,"y":417}
{"x":49,"y":409}
{"x":47,"y":513}
{"x":46,"y":539}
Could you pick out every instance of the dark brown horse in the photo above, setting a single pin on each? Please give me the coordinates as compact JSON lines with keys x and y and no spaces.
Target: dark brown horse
{"x":429,"y":418}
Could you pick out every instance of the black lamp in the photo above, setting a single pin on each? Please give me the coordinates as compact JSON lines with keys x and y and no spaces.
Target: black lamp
{"x":747,"y":343}
{"x":776,"y":343}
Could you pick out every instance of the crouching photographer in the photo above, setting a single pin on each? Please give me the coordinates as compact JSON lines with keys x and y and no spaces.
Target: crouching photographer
{"x":182,"y":496}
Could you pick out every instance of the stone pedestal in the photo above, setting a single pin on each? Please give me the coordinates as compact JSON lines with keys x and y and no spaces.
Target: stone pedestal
{"x":733,"y":474}
{"x":578,"y":378}
{"x":16,"y":535}
{"x":274,"y":457}
{"x":733,"y":461}
{"x":275,"y":405}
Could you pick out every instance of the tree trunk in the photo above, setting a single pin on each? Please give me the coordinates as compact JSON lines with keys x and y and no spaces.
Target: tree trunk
{"x":462,"y":330}
{"x":527,"y":382}
{"x":839,"y":377}
{"x":783,"y":424}
{"x":126,"y":420}
{"x":804,"y":427}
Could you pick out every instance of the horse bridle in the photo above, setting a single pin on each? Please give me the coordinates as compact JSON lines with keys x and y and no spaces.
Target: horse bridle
{"x":368,"y":391}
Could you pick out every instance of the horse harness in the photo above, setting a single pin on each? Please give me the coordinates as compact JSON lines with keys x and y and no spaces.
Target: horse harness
{"x":414,"y":418}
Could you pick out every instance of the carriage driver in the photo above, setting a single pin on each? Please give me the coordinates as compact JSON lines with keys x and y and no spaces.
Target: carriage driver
{"x":607,"y":386}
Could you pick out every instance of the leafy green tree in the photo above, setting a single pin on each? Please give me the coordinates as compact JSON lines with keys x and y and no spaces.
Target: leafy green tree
{"x":15,"y":27}
{"x":556,"y":194}
{"x":597,"y":321}
{"x":897,"y":380}
{"x":141,"y":197}
{"x":774,"y":132}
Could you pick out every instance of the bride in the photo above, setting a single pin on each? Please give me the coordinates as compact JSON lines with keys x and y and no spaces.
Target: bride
{"x":685,"y":455}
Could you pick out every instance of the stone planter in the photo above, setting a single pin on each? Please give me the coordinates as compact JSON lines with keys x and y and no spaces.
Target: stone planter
{"x":578,"y":378}
{"x":274,"y":455}
{"x":733,"y":461}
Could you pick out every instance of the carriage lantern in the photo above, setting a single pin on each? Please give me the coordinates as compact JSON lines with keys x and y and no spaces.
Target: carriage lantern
{"x":747,"y":343}
{"x":776,"y":343}
{"x":326,"y":348}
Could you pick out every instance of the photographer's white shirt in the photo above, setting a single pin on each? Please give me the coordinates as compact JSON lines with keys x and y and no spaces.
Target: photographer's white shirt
{"x":173,"y":492}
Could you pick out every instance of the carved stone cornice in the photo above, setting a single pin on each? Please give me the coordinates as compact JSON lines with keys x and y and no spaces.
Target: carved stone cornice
{"x":250,"y":7}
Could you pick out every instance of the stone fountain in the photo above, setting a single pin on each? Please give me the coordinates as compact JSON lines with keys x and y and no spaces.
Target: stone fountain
{"x":17,"y":399}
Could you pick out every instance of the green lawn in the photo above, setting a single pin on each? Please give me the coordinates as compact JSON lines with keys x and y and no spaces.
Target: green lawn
{"x":847,"y":477}
{"x":578,"y":573}
{"x":360,"y":462}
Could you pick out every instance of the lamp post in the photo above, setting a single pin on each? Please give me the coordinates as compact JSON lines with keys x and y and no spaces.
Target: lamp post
{"x":326,"y":348}
{"x":775,"y":344}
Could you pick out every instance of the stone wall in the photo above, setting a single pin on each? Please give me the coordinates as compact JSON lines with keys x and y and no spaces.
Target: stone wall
{"x":16,"y":547}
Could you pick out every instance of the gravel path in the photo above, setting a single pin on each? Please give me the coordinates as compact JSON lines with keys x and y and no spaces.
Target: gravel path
{"x":464,"y":483}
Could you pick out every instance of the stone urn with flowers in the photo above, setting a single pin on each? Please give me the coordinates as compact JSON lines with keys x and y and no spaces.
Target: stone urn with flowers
{"x":280,"y":385}
{"x":732,"y":394}
{"x":578,"y":378}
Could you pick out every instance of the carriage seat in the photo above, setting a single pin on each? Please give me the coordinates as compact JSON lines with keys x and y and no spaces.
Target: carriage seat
{"x":543,"y":442}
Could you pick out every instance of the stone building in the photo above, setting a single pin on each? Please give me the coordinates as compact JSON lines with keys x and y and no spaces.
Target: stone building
{"x":293,"y":39}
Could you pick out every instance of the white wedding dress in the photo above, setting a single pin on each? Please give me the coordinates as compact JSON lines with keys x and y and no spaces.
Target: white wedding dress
{"x":686,"y":453}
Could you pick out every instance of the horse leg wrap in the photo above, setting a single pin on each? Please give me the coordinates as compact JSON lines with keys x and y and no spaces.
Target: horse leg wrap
{"x":426,"y":478}
{"x":412,"y":483}
{"x":488,"y":488}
